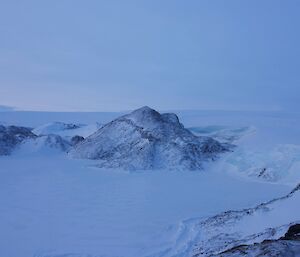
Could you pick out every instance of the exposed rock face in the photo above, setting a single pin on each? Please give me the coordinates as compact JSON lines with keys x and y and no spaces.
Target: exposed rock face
{"x":293,"y":233}
{"x":146,"y":139}
{"x":12,"y":136}
{"x":279,"y":248}
{"x":286,"y":246}
{"x":54,"y":141}
{"x":76,"y":140}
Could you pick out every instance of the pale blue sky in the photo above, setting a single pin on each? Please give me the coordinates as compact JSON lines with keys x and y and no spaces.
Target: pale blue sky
{"x":68,"y":55}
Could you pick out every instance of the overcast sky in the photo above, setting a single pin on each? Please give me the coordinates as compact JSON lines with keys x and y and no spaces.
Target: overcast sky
{"x":67,"y":55}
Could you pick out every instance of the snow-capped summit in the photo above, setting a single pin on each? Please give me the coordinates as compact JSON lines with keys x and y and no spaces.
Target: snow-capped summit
{"x":149,"y":118}
{"x":146,"y":139}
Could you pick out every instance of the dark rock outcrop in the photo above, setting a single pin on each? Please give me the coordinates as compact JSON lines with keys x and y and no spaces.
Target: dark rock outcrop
{"x":76,"y":140}
{"x":54,"y":141}
{"x":12,"y":136}
{"x":293,"y":233}
{"x":286,"y":246}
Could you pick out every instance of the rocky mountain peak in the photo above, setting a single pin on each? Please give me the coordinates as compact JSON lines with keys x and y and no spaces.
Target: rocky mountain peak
{"x":146,"y":139}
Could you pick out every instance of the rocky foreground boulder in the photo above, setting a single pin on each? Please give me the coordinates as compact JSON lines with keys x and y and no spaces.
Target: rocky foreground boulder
{"x":146,"y":139}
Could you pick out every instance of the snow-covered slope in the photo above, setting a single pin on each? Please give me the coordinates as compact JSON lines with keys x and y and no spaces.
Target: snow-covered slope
{"x":45,"y":144}
{"x":280,"y":163}
{"x":21,"y":140}
{"x":265,"y":161}
{"x":218,"y":234}
{"x":146,"y":139}
{"x":55,"y":127}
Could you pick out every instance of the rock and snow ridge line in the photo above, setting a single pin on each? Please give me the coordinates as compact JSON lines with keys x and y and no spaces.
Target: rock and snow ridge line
{"x":146,"y":140}
{"x":21,"y":138}
{"x":231,"y":231}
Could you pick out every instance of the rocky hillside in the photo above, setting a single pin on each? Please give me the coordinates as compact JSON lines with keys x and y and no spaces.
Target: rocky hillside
{"x":146,"y":139}
{"x":12,"y":136}
{"x":23,"y":139}
{"x":255,"y":231}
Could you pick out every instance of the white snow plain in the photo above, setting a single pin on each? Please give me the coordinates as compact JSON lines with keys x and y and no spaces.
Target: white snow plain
{"x":52,"y":205}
